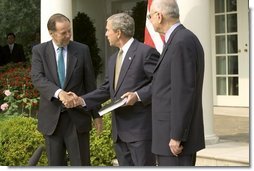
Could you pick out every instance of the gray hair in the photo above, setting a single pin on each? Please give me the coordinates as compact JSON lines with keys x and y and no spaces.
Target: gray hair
{"x":167,"y":7}
{"x":123,"y":22}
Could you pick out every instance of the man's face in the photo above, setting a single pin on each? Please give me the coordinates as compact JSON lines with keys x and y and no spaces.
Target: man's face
{"x":111,"y":35}
{"x":10,"y":39}
{"x":62,"y":35}
{"x":153,"y":17}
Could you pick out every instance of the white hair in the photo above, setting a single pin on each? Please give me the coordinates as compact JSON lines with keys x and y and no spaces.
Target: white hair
{"x":166,"y":7}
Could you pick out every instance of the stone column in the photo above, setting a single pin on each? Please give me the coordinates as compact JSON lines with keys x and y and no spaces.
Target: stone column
{"x":195,"y":15}
{"x":50,"y":7}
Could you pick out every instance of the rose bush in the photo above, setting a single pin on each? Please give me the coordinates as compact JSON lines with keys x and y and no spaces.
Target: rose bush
{"x":17,"y":93}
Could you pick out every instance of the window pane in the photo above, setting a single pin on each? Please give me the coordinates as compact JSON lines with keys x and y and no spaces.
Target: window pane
{"x":221,"y":65}
{"x":233,"y":65}
{"x":221,"y":86}
{"x":232,"y":44}
{"x":231,"y":23}
{"x":219,"y":6}
{"x":220,"y":45}
{"x":231,"y":5}
{"x":220,"y":24}
{"x":233,"y":86}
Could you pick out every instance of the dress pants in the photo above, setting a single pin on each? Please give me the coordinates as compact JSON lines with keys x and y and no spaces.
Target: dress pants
{"x":134,"y":153}
{"x":186,"y":160}
{"x":67,"y":140}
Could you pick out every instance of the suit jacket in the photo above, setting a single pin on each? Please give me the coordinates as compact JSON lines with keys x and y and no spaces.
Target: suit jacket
{"x":2,"y":60}
{"x":17,"y":54}
{"x":130,"y":123}
{"x":79,"y":79}
{"x":177,"y":94}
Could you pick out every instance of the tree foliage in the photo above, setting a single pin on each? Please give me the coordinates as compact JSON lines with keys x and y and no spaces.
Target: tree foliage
{"x":139,"y":15}
{"x":84,"y":32}
{"x":21,"y":18}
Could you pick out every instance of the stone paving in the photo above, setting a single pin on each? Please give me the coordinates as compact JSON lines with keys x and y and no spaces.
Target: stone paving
{"x":232,"y":148}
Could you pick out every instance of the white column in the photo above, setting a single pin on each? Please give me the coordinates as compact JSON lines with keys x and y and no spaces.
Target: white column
{"x":195,"y":15}
{"x":50,"y":7}
{"x":251,"y":6}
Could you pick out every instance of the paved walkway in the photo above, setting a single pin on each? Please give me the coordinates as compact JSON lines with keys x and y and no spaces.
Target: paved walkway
{"x":232,"y":128}
{"x":233,"y":146}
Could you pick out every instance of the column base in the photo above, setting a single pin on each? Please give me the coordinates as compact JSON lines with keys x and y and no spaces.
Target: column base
{"x":211,"y":139}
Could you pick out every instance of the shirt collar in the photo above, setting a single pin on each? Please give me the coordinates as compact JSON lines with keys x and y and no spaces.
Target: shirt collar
{"x":170,"y":31}
{"x":56,"y":47}
{"x":127,"y":45}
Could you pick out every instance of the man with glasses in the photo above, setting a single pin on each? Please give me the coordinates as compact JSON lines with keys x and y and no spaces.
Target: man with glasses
{"x":178,"y":131}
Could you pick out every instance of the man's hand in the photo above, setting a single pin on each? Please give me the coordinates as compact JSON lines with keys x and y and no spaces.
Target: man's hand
{"x":131,"y":98}
{"x":98,"y":124}
{"x":69,"y":99}
{"x":175,"y":147}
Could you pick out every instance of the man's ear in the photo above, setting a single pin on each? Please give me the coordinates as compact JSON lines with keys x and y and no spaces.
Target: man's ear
{"x":160,"y":17}
{"x":119,"y":34}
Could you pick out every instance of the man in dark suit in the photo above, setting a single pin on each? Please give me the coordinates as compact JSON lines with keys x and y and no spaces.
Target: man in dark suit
{"x":64,"y":129}
{"x":177,"y":116}
{"x":13,"y":52}
{"x":2,"y":60}
{"x":131,"y":124}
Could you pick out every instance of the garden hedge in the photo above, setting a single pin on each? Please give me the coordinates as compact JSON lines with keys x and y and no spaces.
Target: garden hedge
{"x":19,"y":139}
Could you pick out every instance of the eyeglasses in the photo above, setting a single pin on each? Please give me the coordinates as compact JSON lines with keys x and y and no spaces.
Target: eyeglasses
{"x":149,"y":16}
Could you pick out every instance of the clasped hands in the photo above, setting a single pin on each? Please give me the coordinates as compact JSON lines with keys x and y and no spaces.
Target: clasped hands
{"x":70,"y":99}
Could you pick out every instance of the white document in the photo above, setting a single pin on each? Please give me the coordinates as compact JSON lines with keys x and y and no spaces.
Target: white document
{"x":112,"y":106}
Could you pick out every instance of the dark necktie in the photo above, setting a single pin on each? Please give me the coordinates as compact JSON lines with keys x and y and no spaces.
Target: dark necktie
{"x":119,"y":59}
{"x":61,"y":66}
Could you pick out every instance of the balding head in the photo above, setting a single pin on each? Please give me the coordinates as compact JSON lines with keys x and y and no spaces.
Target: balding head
{"x":169,"y":8}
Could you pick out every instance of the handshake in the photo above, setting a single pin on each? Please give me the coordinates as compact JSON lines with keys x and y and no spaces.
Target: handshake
{"x":70,"y":99}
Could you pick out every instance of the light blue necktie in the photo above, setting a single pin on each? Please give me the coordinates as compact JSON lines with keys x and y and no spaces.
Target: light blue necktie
{"x":61,"y":66}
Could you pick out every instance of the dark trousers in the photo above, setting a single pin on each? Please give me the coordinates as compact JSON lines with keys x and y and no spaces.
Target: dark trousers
{"x":134,"y":153}
{"x":186,"y":160}
{"x":66,"y":139}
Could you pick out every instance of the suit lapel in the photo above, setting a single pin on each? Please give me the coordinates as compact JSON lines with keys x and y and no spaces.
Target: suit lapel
{"x":167,"y":45}
{"x":51,"y":60}
{"x":129,"y":57}
{"x":71,"y":63}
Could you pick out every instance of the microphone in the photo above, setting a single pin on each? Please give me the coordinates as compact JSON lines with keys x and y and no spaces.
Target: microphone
{"x":36,"y":156}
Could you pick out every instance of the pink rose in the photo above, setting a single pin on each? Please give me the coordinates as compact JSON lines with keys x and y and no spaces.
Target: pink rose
{"x":4,"y":106}
{"x":7,"y":92}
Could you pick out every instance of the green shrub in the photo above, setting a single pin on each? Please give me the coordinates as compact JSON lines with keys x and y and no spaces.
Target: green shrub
{"x":139,"y":15}
{"x":102,"y":152}
{"x":3,"y":117}
{"x":84,"y":32}
{"x":19,"y":139}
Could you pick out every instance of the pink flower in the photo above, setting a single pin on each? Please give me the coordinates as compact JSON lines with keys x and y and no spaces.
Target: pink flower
{"x":4,"y":106}
{"x":7,"y":92}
